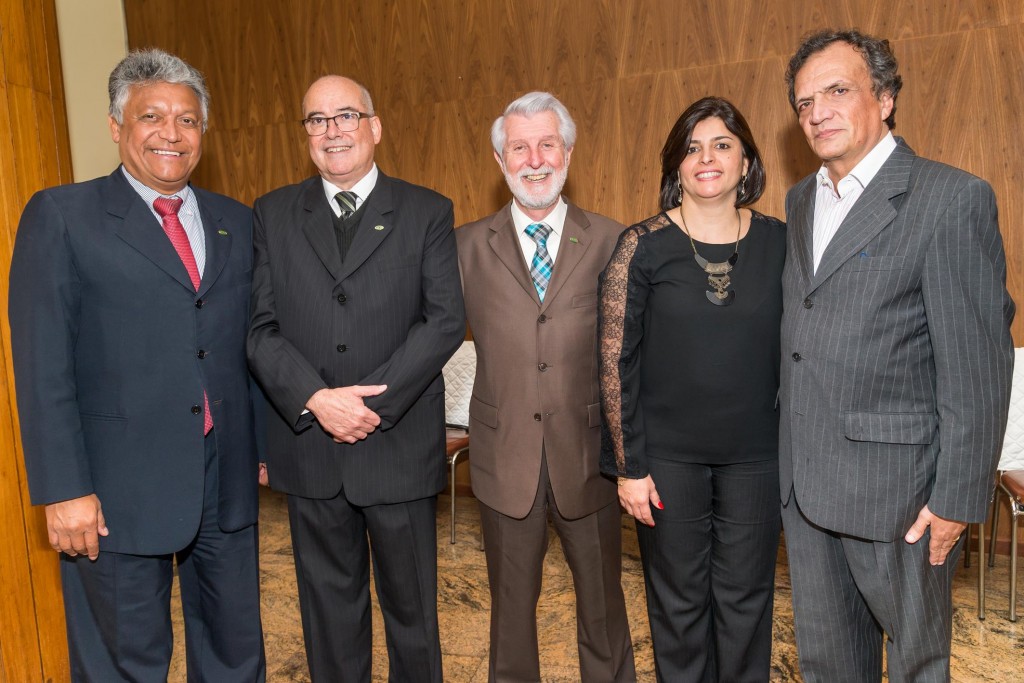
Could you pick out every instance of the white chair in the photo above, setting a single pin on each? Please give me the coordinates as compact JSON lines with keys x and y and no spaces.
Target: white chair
{"x":459,"y":372}
{"x":1009,"y":481}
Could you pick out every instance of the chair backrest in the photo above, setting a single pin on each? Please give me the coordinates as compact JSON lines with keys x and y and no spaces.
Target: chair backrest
{"x":459,"y":372}
{"x":1012,"y":457}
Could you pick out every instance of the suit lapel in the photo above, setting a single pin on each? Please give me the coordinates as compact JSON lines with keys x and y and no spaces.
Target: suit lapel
{"x":869,"y":215}
{"x":140,"y":229}
{"x":505,"y":243}
{"x":318,"y":226}
{"x":571,"y":248}
{"x":218,"y":243}
{"x":374,"y":227}
{"x":802,"y":227}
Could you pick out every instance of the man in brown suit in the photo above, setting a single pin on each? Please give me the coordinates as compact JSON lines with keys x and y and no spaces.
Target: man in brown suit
{"x":530,"y":278}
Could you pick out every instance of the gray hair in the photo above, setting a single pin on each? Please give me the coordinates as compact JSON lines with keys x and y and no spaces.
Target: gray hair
{"x":878,"y":57}
{"x":145,"y":67}
{"x":529,"y":105}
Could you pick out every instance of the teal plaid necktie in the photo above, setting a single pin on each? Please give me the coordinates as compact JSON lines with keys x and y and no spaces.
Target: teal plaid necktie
{"x":542,"y":265}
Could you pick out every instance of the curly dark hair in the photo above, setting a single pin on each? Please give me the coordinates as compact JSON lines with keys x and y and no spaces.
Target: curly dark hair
{"x":877,"y":53}
{"x":679,"y":141}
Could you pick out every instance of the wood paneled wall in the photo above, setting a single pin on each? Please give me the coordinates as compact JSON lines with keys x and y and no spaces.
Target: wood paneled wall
{"x":440,"y":71}
{"x":34,"y":153}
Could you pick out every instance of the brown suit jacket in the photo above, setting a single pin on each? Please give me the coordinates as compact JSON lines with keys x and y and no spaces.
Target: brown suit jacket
{"x":536,"y":381}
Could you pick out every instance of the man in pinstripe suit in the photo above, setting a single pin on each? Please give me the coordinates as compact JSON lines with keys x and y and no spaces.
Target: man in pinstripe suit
{"x":357,"y":304}
{"x":895,"y":377}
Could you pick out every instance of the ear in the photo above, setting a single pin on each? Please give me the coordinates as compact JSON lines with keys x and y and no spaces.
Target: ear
{"x":886,"y":102}
{"x":376,"y":128}
{"x":115,"y":129}
{"x":501,"y":162}
{"x":568,"y":156}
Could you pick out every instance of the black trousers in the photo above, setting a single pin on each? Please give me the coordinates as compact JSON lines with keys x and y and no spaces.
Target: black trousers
{"x":118,"y":607}
{"x":333,"y":541}
{"x":709,"y":566}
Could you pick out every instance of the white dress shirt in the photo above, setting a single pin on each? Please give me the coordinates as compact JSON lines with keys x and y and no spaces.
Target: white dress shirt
{"x":363,"y":188}
{"x":832,"y":204}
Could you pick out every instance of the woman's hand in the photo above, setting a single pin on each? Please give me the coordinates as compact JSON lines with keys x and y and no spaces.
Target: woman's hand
{"x":637,"y":496}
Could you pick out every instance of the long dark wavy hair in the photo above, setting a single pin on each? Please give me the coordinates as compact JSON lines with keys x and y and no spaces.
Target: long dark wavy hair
{"x":679,"y":141}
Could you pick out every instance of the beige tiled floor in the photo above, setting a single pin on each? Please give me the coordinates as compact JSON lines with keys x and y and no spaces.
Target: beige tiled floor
{"x":992,"y":650}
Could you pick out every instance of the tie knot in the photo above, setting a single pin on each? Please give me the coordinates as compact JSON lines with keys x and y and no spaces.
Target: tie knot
{"x":346,"y":202}
{"x":539,"y":232}
{"x":165,"y":206}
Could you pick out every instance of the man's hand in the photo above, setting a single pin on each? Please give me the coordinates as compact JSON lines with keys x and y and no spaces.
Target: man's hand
{"x":261,"y":475}
{"x":342,"y":413}
{"x":74,"y":526}
{"x":945,"y":534}
{"x":637,"y":496}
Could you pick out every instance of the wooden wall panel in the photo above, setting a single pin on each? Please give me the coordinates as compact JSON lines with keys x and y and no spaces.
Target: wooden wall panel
{"x":34,"y":153}
{"x":441,"y":70}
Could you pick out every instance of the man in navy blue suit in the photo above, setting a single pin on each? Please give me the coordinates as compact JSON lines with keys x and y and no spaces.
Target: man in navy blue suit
{"x":129,"y":309}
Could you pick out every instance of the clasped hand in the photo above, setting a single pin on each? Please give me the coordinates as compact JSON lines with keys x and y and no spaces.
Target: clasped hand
{"x":342,"y":413}
{"x":944,"y":534}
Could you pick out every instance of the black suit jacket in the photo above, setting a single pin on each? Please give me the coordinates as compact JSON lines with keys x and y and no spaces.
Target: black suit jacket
{"x":106,"y":329}
{"x":391,"y":314}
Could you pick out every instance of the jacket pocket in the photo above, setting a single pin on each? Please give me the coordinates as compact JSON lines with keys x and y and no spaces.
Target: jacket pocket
{"x":484,"y":413}
{"x":900,"y":428}
{"x":584,"y":300}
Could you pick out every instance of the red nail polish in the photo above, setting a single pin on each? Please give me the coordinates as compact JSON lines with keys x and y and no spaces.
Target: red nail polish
{"x":661,"y":506}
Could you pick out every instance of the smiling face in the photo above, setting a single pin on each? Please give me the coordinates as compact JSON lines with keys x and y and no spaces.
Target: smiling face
{"x":838,"y":112}
{"x":535,"y":162}
{"x":713,"y":162}
{"x":343,"y":158}
{"x":160,"y":135}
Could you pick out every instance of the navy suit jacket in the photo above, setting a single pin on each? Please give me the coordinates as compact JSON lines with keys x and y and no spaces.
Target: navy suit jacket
{"x":391,"y":314}
{"x":113,"y":348}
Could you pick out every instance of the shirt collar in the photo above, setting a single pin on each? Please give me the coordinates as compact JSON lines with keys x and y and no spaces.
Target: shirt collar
{"x":554,"y":220}
{"x":149,"y":195}
{"x":868,"y":167}
{"x":363,"y":188}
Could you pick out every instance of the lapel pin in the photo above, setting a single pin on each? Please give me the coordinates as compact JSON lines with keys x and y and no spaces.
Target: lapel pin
{"x":378,"y":227}
{"x":222,"y":232}
{"x":574,"y":240}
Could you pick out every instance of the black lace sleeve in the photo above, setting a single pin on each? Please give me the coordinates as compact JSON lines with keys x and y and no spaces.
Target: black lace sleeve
{"x":623,"y":292}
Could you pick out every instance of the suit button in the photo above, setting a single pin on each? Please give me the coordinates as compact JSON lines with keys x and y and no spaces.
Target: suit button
{"x":536,"y":416}
{"x":342,"y":348}
{"x":797,"y":357}
{"x":199,"y":303}
{"x":342,"y":298}
{"x":542,"y":367}
{"x":808,"y":303}
{"x":542,"y":319}
{"x":201,"y":354}
{"x":196,"y":410}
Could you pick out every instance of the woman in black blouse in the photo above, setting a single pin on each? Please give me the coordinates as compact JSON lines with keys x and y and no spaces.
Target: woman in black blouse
{"x":689,"y":330}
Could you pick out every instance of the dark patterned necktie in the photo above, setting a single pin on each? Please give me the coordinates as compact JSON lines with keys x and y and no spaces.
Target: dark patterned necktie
{"x":167,"y":209}
{"x":346,"y":202}
{"x":543,"y":264}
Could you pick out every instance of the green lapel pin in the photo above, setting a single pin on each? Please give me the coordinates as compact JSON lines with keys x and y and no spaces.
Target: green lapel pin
{"x":574,"y":240}
{"x":378,"y":227}
{"x":222,"y":232}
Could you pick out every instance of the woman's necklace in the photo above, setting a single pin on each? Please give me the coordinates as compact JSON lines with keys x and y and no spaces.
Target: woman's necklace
{"x":718,"y":273}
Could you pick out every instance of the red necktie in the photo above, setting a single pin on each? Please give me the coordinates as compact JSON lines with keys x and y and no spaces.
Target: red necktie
{"x":168,"y":210}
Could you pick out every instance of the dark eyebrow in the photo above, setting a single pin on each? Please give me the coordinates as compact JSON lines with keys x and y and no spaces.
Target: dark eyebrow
{"x":714,"y":139}
{"x":338,"y":111}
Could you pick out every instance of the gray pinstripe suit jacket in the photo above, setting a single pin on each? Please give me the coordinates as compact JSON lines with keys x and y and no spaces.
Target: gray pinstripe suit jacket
{"x":897,"y":354}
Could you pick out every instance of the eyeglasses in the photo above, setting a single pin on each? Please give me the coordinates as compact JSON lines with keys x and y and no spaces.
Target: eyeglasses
{"x":345,"y":121}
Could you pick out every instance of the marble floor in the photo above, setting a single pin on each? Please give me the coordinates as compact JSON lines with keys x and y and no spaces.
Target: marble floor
{"x":990,"y":650}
